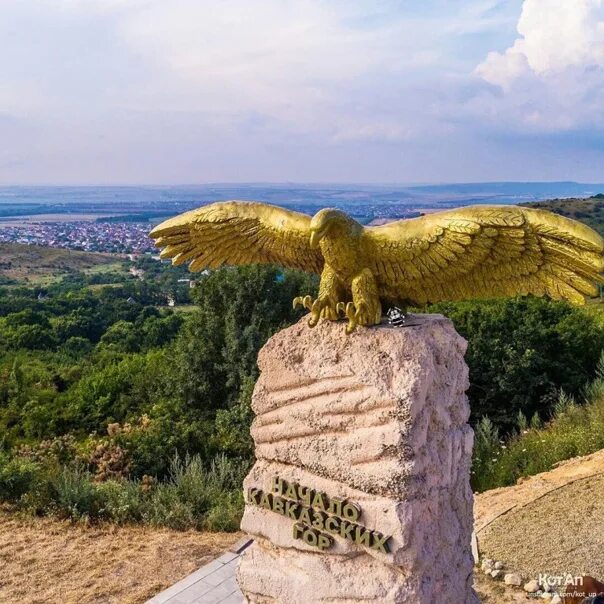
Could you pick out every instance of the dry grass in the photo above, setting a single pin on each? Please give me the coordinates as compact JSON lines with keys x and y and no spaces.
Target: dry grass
{"x":491,"y":504}
{"x":33,"y":263}
{"x":559,"y":533}
{"x":48,"y":561}
{"x":496,"y":592}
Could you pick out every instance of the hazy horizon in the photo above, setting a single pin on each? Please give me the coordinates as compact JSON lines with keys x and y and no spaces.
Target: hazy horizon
{"x":386,"y":199}
{"x":301,"y":183}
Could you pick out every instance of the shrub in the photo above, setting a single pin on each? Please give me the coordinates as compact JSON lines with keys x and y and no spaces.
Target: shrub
{"x":195,"y":497}
{"x":110,"y":462}
{"x":486,"y":449}
{"x":165,"y":508}
{"x":75,"y":494}
{"x":120,"y":501}
{"x":574,"y":430}
{"x":147,"y":445}
{"x":18,"y":476}
{"x":225,"y":513}
{"x":233,"y":425}
{"x":60,"y":449}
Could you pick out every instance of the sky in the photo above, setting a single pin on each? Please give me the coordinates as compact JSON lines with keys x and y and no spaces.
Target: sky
{"x":372,"y":91}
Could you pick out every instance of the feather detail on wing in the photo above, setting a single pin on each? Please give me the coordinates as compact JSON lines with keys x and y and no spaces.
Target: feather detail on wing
{"x":238,"y":232}
{"x":484,"y":252}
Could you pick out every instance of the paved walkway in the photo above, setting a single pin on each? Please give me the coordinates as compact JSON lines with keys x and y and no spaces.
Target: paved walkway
{"x":213,"y":583}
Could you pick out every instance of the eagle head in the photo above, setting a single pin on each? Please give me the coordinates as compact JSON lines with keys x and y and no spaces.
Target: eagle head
{"x":328,"y":220}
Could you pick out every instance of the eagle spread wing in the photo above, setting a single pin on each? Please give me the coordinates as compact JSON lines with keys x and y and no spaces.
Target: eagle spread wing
{"x":485,"y":251}
{"x":238,"y":232}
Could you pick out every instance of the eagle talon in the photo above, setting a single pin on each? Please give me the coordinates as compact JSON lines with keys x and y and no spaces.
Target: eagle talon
{"x":304,"y":301}
{"x":358,"y":314}
{"x":320,"y":308}
{"x":315,"y":311}
{"x":352,"y":316}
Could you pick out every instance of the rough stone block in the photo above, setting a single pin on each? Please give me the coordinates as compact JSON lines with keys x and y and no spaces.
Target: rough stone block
{"x":378,"y":418}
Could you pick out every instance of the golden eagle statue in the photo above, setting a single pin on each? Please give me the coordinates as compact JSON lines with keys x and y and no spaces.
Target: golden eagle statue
{"x":465,"y":253}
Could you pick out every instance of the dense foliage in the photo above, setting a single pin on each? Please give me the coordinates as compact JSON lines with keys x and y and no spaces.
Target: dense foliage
{"x":115,"y":406}
{"x":522,"y":352}
{"x":577,"y":428}
{"x":109,"y":386}
{"x":194,"y":494}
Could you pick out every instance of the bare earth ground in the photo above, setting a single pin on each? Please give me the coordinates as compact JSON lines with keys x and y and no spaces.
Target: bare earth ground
{"x":45,"y":561}
{"x":551,"y":522}
{"x":560,"y":533}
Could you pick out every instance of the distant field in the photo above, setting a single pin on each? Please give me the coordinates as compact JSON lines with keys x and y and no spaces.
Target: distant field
{"x":589,"y":210}
{"x":39,"y":265}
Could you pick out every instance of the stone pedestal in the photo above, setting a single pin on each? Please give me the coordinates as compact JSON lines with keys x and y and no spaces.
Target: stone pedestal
{"x":376,"y":420}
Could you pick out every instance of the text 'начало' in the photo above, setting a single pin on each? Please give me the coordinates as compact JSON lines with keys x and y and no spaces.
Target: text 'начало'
{"x":317,"y":516}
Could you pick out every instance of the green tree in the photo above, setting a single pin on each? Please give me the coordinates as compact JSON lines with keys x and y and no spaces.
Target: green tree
{"x":76,"y":347}
{"x":122,"y":336}
{"x":30,"y":337}
{"x":522,"y":352}
{"x":239,"y":309}
{"x":157,"y":331}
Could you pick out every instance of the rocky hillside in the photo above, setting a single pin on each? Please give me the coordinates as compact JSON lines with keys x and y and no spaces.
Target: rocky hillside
{"x":589,"y":210}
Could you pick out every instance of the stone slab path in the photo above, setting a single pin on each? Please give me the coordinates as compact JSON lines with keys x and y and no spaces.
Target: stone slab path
{"x":213,"y":583}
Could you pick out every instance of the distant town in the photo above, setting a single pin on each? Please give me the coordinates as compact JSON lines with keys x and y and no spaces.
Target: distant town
{"x":130,"y":235}
{"x":89,"y":236}
{"x":118,"y":219}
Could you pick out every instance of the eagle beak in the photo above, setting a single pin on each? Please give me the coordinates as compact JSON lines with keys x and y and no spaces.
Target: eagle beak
{"x":315,"y":238}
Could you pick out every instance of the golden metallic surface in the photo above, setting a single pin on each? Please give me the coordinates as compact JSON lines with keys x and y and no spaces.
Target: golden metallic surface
{"x":465,"y":253}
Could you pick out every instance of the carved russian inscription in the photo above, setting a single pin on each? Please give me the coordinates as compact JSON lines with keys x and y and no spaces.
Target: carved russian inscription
{"x":318,"y":517}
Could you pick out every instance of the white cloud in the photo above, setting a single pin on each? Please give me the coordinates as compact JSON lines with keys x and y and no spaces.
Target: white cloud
{"x":388,"y":132}
{"x":555,"y":35}
{"x":309,"y":65}
{"x":552,"y":76}
{"x":302,"y":62}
